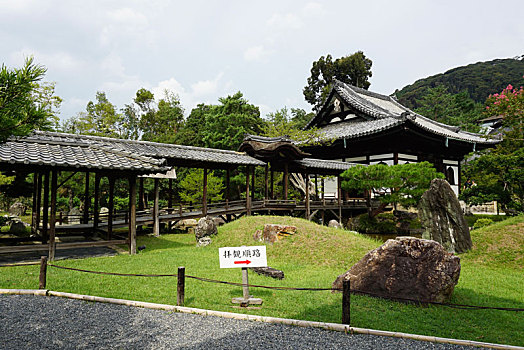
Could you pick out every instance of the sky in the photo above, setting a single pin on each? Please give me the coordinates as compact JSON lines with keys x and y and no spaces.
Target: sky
{"x":204,"y":50}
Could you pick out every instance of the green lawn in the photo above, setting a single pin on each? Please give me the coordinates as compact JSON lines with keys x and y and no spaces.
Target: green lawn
{"x":492,"y":275}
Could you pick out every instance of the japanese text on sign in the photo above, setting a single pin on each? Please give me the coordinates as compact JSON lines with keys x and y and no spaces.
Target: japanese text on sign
{"x":231,"y":257}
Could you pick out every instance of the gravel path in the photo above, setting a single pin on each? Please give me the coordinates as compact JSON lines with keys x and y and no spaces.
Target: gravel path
{"x":36,"y":322}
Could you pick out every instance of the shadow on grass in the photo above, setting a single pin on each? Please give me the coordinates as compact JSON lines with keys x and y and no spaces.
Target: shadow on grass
{"x":155,"y":243}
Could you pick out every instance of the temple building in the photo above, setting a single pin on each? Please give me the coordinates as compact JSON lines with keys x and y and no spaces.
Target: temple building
{"x":370,"y":128}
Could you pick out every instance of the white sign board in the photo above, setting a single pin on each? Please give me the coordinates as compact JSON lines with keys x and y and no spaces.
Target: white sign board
{"x":231,"y":257}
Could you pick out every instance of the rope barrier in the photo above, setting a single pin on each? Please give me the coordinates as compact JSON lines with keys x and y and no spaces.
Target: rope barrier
{"x":354,"y":291}
{"x":19,"y":264}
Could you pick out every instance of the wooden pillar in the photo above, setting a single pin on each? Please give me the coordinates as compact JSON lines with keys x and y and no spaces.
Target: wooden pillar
{"x":272,"y":175}
{"x":87,"y":201}
{"x":323,"y":188}
{"x":156,"y":213}
{"x":266,"y":187}
{"x":52,"y":219}
{"x":132,"y":215}
{"x":252,"y":184}
{"x":458,"y":182}
{"x":96,"y":204}
{"x":308,"y":210}
{"x":170,"y":195}
{"x":316,"y":186}
{"x":38,"y":203}
{"x":228,"y":183}
{"x":33,"y":204}
{"x":339,"y":195}
{"x":204,"y":194}
{"x":110,"y":207}
{"x":248,"y":196}
{"x":286,"y":180}
{"x":45,"y":219}
{"x":141,"y":195}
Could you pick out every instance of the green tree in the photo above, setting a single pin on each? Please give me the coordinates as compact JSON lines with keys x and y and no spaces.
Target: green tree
{"x":221,"y":126}
{"x":162,"y":123}
{"x":191,"y":187}
{"x":452,"y":109}
{"x":353,"y":69}
{"x":498,"y":173}
{"x":402,"y":183}
{"x":284,"y":123}
{"x":26,"y":103}
{"x":100,"y":118}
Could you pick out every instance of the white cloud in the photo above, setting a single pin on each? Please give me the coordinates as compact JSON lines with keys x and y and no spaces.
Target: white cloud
{"x":285,"y":21}
{"x":206,"y":87}
{"x":128,"y":16}
{"x":314,"y":10}
{"x":59,"y":61}
{"x":257,"y":53}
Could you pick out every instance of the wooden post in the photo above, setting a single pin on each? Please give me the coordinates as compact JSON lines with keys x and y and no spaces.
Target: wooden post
{"x":245,"y":284}
{"x":96,"y":209}
{"x":132,"y":215}
{"x":87,"y":202}
{"x":316,"y":186}
{"x":308,"y":210}
{"x":266,"y":185}
{"x":111,"y":206}
{"x":204,"y":194}
{"x":323,"y":188}
{"x":248,"y":196}
{"x":228,"y":183}
{"x":272,"y":188}
{"x":38,"y":203}
{"x":141,"y":196}
{"x":286,"y":180}
{"x":52,"y":221}
{"x":180,"y":286}
{"x":156,"y":213}
{"x":33,"y":204}
{"x":339,"y":195}
{"x":43,"y":272}
{"x":45,"y":219}
{"x":252,"y":184}
{"x":346,"y":302}
{"x":170,"y":195}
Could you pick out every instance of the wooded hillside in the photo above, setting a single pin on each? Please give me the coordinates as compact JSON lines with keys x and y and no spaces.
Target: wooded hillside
{"x":479,"y":79}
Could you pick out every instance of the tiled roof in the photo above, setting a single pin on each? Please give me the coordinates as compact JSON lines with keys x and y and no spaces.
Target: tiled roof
{"x":26,"y":152}
{"x":386,"y":113}
{"x":154,"y":149}
{"x":311,"y":163}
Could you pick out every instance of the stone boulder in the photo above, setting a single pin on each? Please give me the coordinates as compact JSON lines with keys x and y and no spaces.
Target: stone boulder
{"x":406,"y":267}
{"x":442,"y":218}
{"x":17,"y":209}
{"x":204,"y":241}
{"x":273,"y":233}
{"x":17,"y":227}
{"x":219,"y":221}
{"x":334,"y":223}
{"x":73,"y":217}
{"x":205,"y":227}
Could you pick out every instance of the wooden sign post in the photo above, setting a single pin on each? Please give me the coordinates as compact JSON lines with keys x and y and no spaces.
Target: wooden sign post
{"x":244,"y":257}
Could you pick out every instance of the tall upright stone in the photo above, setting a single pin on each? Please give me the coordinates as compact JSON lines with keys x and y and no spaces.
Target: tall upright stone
{"x":442,"y":218}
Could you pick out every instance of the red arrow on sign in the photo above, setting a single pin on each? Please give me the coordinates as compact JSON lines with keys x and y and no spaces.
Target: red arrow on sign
{"x":247,"y":262}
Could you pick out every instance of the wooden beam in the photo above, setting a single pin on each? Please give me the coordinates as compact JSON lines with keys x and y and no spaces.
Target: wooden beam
{"x":204,"y":194}
{"x":110,"y":207}
{"x":132,"y":215}
{"x":316,"y":186}
{"x":339,"y":190}
{"x":87,"y":202}
{"x":156,"y":213}
{"x":45,"y":219}
{"x":33,"y":204}
{"x":52,"y":220}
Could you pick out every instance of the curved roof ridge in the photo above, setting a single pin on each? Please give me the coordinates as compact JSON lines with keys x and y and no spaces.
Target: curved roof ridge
{"x":150,"y":143}
{"x":363,"y":105}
